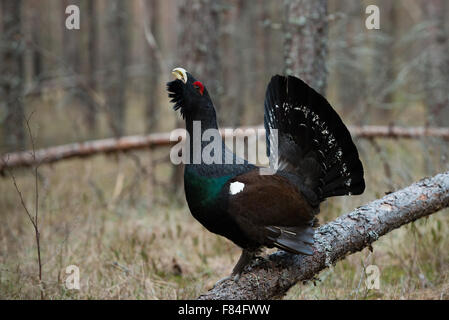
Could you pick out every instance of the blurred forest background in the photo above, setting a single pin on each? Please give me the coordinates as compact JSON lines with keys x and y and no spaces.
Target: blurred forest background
{"x":121,"y":218}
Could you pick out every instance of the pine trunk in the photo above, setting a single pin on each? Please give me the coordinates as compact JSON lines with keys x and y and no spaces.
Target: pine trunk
{"x":92,"y":60}
{"x":437,"y":66}
{"x":153,"y":73}
{"x":305,"y":41}
{"x":198,"y":53}
{"x":117,"y":54}
{"x":12,"y":75}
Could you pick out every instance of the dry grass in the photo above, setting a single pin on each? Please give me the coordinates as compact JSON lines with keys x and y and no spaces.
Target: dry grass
{"x":97,"y":214}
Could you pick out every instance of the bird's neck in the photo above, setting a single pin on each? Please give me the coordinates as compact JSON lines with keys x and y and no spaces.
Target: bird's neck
{"x":208,"y":154}
{"x":206,"y":123}
{"x":202,"y":132}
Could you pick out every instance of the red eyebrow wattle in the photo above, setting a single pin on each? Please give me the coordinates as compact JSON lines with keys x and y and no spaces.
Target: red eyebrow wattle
{"x":200,"y":85}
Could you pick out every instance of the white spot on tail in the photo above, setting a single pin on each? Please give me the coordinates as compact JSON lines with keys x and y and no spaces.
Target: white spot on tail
{"x":236,"y":187}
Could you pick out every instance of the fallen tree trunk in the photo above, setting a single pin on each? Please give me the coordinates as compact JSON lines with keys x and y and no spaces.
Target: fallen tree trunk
{"x":398,"y":132}
{"x":82,"y":149}
{"x":333,"y":241}
{"x":111,"y":145}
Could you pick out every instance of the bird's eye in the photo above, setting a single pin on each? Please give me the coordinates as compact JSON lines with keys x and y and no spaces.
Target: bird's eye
{"x":199,"y":87}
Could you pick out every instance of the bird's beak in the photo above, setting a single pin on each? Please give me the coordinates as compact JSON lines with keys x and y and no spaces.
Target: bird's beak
{"x":180,"y":74}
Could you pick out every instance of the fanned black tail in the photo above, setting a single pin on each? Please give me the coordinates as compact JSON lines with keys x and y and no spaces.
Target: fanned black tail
{"x":313,"y":142}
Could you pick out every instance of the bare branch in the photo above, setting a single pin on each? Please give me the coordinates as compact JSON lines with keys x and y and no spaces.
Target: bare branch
{"x":34,"y":220}
{"x":112,"y":145}
{"x":333,"y":241}
{"x":22,"y":201}
{"x":398,"y":132}
{"x":151,"y":40}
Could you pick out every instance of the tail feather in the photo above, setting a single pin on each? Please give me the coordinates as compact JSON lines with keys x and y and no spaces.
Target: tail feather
{"x":298,"y":240}
{"x":313,"y":142}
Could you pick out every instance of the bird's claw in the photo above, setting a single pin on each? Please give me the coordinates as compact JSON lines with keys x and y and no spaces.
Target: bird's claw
{"x":221,"y":281}
{"x":264,"y":259}
{"x":235,"y":278}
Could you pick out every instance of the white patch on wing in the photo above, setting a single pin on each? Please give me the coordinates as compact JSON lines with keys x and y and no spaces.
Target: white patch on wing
{"x":236,"y":187}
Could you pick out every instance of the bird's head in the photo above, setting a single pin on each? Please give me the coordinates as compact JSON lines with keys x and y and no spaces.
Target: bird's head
{"x":190,"y":96}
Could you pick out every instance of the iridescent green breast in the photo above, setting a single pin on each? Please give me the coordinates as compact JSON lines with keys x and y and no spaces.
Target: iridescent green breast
{"x":201,"y":190}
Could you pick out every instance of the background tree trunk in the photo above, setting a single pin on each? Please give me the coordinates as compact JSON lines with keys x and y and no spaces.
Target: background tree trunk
{"x":305,"y":41}
{"x":198,"y":53}
{"x":389,"y":53}
{"x":71,"y":54}
{"x":198,"y":50}
{"x":12,"y":75}
{"x":437,"y":71}
{"x":34,"y":28}
{"x":153,"y":68}
{"x":233,"y":98}
{"x":92,"y":62}
{"x":240,"y":69}
{"x":117,"y":54}
{"x":436,"y":77}
{"x":350,"y":77}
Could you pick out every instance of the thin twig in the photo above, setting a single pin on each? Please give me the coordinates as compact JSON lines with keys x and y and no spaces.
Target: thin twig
{"x":151,"y":40}
{"x":21,"y":198}
{"x":34,"y":220}
{"x":36,"y":205}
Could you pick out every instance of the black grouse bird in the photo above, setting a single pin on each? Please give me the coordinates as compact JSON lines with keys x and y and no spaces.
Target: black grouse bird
{"x":317,"y":159}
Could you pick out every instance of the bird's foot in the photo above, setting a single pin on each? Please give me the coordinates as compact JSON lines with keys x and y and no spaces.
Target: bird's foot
{"x":221,"y":281}
{"x":263,"y":259}
{"x":234,"y":277}
{"x":244,"y":260}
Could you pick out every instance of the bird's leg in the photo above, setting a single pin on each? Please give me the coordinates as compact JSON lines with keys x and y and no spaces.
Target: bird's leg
{"x":264,"y":259}
{"x":244,"y":259}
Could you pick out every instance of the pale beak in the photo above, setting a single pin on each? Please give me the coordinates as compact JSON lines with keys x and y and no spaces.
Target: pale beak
{"x":180,"y":74}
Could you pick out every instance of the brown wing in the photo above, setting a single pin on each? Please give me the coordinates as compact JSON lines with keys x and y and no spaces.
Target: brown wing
{"x":272,"y":211}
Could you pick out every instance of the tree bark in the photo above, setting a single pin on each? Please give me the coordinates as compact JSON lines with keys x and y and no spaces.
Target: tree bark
{"x":198,"y":50}
{"x":234,"y":73}
{"x":152,"y":15}
{"x":436,"y":76}
{"x":198,"y":53}
{"x":349,"y":80}
{"x":437,"y":64}
{"x":71,"y":44}
{"x":71,"y":55}
{"x":335,"y":240}
{"x":389,"y":54}
{"x":305,"y":41}
{"x":12,"y":75}
{"x":34,"y":31}
{"x":92,"y":62}
{"x":117,"y":55}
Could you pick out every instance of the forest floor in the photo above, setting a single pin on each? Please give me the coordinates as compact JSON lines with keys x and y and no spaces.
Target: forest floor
{"x":97,"y":214}
{"x":134,"y":240}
